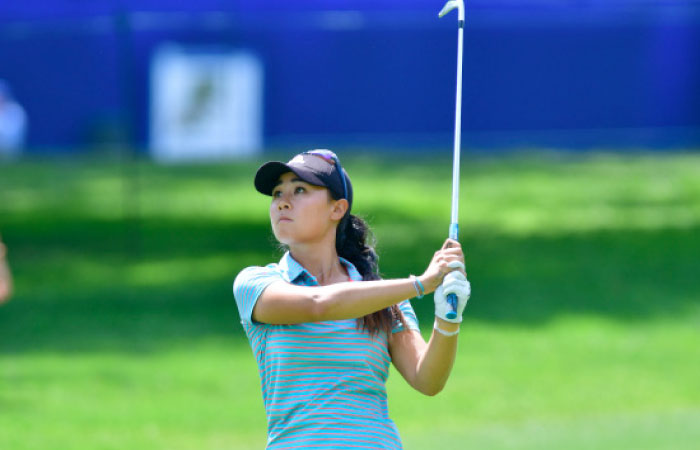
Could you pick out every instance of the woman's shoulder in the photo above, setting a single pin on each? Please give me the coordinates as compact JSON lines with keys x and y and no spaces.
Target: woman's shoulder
{"x":258,"y":271}
{"x":255,"y":278}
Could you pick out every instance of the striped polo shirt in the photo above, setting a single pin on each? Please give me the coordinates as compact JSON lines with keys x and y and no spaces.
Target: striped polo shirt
{"x":323,"y":383}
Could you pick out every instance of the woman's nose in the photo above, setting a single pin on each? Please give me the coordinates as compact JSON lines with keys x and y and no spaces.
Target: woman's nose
{"x":283,"y":204}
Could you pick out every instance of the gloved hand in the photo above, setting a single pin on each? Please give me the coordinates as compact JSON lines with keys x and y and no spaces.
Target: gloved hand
{"x":454,"y":283}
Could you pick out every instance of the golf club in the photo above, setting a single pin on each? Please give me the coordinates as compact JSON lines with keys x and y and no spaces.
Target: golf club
{"x":454,"y":224}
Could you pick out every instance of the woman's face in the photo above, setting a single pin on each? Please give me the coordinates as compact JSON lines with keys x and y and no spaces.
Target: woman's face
{"x":301,"y":212}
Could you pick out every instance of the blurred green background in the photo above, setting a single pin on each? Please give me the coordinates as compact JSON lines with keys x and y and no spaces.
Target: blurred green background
{"x":582,"y":331}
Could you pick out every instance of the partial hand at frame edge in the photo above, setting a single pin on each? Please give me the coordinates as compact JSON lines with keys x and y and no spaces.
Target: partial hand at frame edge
{"x":5,"y":276}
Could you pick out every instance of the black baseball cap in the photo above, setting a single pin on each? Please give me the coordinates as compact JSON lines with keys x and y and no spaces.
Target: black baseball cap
{"x":317,"y":167}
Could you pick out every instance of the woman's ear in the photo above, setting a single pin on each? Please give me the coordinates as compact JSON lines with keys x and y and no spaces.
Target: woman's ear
{"x":340,"y":207}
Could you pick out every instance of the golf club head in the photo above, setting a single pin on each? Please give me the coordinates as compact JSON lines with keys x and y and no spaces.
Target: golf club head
{"x":449,"y":6}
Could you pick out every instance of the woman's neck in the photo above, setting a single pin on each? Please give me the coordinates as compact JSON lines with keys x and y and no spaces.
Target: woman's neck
{"x":322,"y":262}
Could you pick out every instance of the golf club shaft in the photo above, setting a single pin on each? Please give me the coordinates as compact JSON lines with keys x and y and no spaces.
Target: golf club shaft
{"x":454,"y":224}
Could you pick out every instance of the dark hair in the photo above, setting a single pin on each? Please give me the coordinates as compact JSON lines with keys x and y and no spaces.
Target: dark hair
{"x":355,"y":242}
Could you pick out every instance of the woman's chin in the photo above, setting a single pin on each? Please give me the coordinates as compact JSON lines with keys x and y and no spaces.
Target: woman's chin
{"x":283,"y":238}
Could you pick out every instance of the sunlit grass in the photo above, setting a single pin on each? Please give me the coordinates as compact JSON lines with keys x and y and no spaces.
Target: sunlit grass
{"x":519,"y":195}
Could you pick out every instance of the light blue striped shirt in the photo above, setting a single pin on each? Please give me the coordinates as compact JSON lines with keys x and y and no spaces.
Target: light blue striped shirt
{"x":323,"y":383}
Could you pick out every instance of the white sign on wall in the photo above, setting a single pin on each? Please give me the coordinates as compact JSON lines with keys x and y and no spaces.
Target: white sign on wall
{"x":205,"y":105}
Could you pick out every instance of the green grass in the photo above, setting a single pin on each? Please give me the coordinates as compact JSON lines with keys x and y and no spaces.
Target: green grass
{"x":582,"y":332}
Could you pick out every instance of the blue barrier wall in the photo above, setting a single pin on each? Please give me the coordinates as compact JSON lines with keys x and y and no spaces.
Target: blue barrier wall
{"x":620,"y":73}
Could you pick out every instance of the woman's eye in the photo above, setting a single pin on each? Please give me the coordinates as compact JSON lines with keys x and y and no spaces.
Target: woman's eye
{"x":299,"y":190}
{"x":276,"y":194}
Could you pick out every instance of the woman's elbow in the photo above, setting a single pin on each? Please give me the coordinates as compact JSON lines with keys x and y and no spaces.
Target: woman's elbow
{"x":319,"y":306}
{"x":432,"y":391}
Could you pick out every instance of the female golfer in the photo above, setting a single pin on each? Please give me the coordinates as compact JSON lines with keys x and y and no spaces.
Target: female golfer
{"x":323,"y":325}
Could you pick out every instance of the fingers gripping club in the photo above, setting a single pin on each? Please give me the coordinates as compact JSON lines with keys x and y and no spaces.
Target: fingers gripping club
{"x":455,"y":282}
{"x":452,"y":299}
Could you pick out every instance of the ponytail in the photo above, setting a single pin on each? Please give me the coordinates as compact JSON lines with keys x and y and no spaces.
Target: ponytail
{"x":355,"y":242}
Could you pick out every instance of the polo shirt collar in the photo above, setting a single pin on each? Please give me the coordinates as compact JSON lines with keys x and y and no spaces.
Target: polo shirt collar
{"x":291,"y":269}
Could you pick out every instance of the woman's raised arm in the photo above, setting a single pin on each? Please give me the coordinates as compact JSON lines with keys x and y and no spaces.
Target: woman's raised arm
{"x":285,"y":303}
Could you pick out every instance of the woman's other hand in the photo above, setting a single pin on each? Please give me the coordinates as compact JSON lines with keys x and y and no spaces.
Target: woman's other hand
{"x":439,"y":266}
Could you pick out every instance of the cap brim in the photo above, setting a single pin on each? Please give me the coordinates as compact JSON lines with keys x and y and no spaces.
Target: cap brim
{"x":268,"y":175}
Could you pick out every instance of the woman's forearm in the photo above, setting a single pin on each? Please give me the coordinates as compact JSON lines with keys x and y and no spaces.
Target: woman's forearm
{"x":435,"y":364}
{"x":285,"y":303}
{"x":350,"y":300}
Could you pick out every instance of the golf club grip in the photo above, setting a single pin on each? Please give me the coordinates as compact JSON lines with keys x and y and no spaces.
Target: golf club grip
{"x":452,"y":301}
{"x":452,"y":298}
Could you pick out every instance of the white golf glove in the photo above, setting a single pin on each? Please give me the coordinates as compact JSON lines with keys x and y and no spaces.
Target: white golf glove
{"x":454,"y":283}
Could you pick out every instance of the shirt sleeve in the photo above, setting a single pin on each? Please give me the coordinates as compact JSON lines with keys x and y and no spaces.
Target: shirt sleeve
{"x":247,"y":287}
{"x":409,"y":316}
